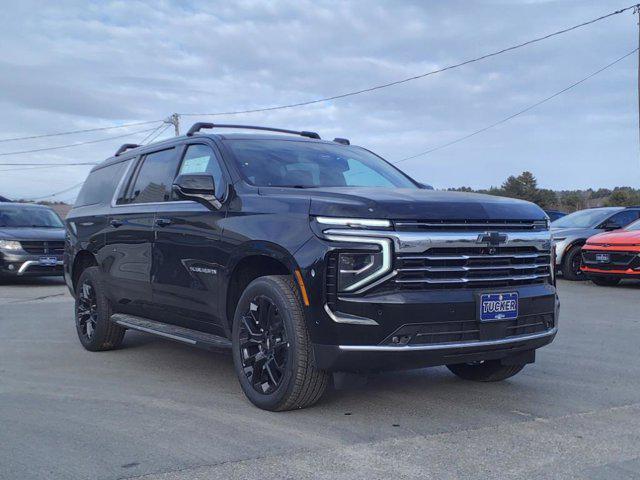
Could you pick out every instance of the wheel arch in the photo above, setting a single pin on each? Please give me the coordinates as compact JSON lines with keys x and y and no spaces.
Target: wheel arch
{"x":83,"y":260}
{"x":253,"y":260}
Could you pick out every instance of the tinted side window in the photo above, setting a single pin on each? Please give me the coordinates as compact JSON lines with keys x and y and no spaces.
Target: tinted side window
{"x":202,"y":159}
{"x":625,"y":218}
{"x":101,"y":184}
{"x":154,"y":178}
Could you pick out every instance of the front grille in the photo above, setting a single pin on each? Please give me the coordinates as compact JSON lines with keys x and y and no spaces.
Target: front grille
{"x":472,"y":267}
{"x":617,"y":260}
{"x":460,"y":331}
{"x":43,"y":248}
{"x":469,"y":225}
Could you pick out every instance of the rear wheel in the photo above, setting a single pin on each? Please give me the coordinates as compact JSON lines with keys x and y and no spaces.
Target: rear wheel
{"x":272,"y":349}
{"x":486,"y":371}
{"x":92,"y":311}
{"x":572,"y":263}
{"x":605,"y":281}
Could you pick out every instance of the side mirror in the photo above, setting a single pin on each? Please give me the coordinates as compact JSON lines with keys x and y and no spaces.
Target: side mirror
{"x":610,"y":225}
{"x":198,"y":187}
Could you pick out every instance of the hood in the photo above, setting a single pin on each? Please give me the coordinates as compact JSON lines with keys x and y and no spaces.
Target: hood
{"x":409,"y":204}
{"x":573,"y":232}
{"x":44,"y":234}
{"x":617,"y":237}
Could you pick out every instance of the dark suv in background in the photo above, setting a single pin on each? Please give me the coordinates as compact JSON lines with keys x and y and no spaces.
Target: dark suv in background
{"x":31,"y":240}
{"x":306,"y":257}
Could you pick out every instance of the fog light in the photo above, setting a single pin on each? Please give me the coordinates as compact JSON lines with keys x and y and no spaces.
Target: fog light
{"x":11,"y":267}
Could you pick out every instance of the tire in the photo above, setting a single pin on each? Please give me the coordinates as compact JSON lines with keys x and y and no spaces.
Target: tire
{"x":487,"y":371}
{"x":571,"y":264}
{"x":605,"y":281}
{"x":96,"y":331}
{"x":271,"y":346}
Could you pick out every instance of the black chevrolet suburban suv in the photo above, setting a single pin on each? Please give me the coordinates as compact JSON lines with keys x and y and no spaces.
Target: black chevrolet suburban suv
{"x":306,"y":257}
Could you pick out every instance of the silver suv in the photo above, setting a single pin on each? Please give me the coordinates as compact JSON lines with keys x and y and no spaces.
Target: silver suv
{"x":571,"y":232}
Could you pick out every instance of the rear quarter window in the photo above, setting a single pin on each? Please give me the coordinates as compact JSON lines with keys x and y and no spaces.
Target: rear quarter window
{"x":101,"y":184}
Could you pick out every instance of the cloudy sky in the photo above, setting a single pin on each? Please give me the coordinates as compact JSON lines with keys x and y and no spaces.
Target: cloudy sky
{"x":69,"y":65}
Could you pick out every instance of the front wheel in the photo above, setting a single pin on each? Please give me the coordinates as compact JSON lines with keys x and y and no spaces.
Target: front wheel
{"x":487,"y":371}
{"x":92,"y":310}
{"x":605,"y":281}
{"x":272,"y":352}
{"x":572,"y":263}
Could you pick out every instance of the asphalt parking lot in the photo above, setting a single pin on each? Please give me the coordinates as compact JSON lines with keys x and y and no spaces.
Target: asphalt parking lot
{"x":159,"y":410}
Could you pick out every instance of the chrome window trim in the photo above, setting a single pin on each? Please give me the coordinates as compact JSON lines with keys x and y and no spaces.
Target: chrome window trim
{"x":447,"y":346}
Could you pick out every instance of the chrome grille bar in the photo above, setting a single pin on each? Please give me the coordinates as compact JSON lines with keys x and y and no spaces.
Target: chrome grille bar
{"x":433,"y":281}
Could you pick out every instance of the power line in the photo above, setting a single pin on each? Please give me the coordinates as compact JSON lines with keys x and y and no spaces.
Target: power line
{"x":142,"y":142}
{"x":49,"y":164}
{"x":415,"y":77}
{"x":77,"y":144}
{"x":158,"y":134}
{"x":71,"y":132}
{"x":73,"y":187}
{"x":510,"y":117}
{"x":32,"y":166}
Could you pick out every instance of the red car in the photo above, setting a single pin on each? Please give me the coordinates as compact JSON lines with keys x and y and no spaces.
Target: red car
{"x":609,"y":257}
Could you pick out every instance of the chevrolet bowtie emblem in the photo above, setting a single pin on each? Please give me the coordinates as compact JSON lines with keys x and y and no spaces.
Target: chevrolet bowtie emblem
{"x":493,"y":238}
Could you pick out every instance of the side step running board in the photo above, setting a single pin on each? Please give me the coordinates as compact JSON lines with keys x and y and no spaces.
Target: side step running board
{"x":196,"y":338}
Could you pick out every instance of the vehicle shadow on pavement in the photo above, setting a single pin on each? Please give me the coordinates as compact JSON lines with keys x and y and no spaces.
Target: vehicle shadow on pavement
{"x":398,"y":392}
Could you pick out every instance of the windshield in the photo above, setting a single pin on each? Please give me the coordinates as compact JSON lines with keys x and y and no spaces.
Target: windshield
{"x":582,"y":219}
{"x":286,"y":163}
{"x":29,"y":217}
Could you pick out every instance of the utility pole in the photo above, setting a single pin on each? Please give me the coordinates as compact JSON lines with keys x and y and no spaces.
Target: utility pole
{"x":636,"y":11}
{"x":175,"y":121}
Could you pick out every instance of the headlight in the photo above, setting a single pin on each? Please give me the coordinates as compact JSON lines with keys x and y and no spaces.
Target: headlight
{"x":558,"y":239}
{"x":354,"y":222}
{"x":358,"y":269}
{"x":10,"y":245}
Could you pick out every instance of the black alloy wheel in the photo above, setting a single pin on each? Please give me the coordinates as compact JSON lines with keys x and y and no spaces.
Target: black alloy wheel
{"x":264,"y":345}
{"x":95,"y":329}
{"x":86,"y":311}
{"x":572,"y":263}
{"x":272,"y":349}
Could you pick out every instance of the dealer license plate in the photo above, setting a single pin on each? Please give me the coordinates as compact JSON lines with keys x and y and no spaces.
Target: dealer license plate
{"x":498,"y":306}
{"x":603,"y":257}
{"x":48,"y":261}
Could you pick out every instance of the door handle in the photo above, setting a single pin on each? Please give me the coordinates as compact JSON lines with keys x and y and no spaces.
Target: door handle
{"x":116,"y":223}
{"x":163,"y":222}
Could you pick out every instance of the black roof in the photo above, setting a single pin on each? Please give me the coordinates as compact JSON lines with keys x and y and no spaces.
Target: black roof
{"x":131,"y":152}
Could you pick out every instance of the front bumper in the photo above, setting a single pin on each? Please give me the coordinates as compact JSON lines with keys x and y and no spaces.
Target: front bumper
{"x":26,"y":265}
{"x":623,"y":262}
{"x":428,"y":328}
{"x":362,"y":358}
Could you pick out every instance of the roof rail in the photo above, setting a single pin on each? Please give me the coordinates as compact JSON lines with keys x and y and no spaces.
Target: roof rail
{"x":125,"y":147}
{"x":196,"y":127}
{"x":343,"y":141}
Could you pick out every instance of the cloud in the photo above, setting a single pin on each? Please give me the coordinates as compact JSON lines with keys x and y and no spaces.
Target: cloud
{"x":69,"y":65}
